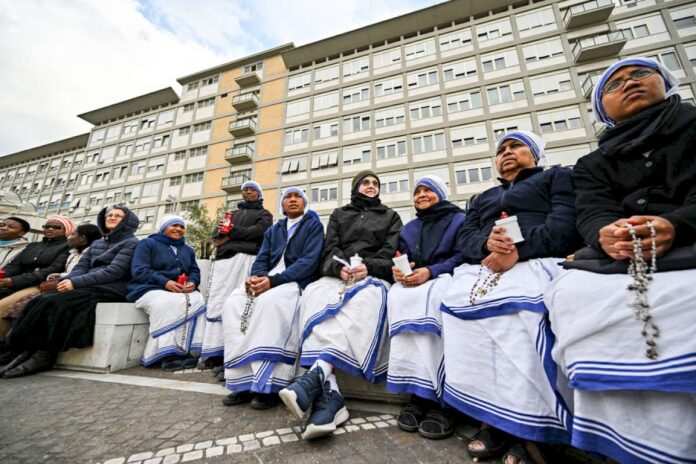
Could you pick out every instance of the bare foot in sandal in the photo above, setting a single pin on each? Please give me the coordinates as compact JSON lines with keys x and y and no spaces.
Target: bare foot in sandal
{"x":488,"y":443}
{"x":528,"y":453}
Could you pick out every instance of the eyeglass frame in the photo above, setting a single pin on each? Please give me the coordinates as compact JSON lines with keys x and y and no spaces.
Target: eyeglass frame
{"x":54,"y":227}
{"x":368,"y":182}
{"x":631,"y":76}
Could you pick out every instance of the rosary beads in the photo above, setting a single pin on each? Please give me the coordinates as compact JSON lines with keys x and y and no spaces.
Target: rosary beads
{"x":246,"y":315}
{"x":481,"y":289}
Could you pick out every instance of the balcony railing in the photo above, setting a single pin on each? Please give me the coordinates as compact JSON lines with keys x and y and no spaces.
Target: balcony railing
{"x":242,"y":127}
{"x":245,"y":102}
{"x":234,"y":182}
{"x":239,"y":154}
{"x":599,"y":46}
{"x":584,"y":14}
{"x":588,"y":84}
{"x":248,"y":79}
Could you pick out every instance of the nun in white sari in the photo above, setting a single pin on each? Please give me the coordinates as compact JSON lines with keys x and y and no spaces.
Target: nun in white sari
{"x":497,"y":340}
{"x":624,"y":312}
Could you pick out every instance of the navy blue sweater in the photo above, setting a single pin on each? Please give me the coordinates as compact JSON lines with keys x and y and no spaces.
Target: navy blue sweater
{"x":105,"y":265}
{"x":154,"y":264}
{"x":543,"y":202}
{"x":446,"y":255}
{"x":302,"y":251}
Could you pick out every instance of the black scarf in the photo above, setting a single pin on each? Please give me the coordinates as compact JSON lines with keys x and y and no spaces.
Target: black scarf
{"x":436,"y":220}
{"x":362,"y":201}
{"x":256,"y":204}
{"x":642,"y":131}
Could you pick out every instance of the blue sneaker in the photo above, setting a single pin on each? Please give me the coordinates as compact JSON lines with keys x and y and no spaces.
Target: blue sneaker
{"x":328,"y":412}
{"x":298,"y":396}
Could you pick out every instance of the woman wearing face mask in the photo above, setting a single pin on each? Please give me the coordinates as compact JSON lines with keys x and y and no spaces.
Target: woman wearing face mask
{"x":164,"y":283}
{"x":343,"y":315}
{"x":415,"y":324}
{"x":623,"y":313}
{"x":64,"y":319}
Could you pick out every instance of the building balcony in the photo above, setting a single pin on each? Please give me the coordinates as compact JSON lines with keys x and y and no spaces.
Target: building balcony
{"x":233,"y":183}
{"x":242,"y":127}
{"x":245,"y":80}
{"x":245,"y":102}
{"x":588,"y":13}
{"x":599,"y":46}
{"x":239,"y":154}
{"x":588,"y":84}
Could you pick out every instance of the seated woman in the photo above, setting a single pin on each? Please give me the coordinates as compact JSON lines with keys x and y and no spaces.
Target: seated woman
{"x":497,"y":340}
{"x":58,"y":321}
{"x":12,"y":241}
{"x":415,"y":324}
{"x":343,"y":316}
{"x":78,"y":241}
{"x":260,"y":318}
{"x":33,"y":264}
{"x":165,"y":277}
{"x":625,"y":336}
{"x":235,"y":252}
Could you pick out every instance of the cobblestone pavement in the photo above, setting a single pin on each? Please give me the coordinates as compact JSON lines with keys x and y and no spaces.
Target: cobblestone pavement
{"x":66,"y":420}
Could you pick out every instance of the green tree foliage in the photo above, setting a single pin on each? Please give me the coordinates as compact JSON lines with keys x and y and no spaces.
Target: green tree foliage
{"x":199,"y":228}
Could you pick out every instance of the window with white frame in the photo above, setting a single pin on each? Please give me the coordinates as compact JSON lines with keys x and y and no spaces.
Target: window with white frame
{"x":425,"y":109}
{"x":560,"y":120}
{"x":356,"y":123}
{"x":98,"y":136}
{"x":166,"y":117}
{"x":326,"y":74}
{"x":356,"y":94}
{"x":357,"y":154}
{"x":180,"y":155}
{"x":120,"y":172}
{"x":473,"y":173}
{"x":459,"y":69}
{"x":293,"y":165}
{"x":386,"y":58}
{"x":499,"y":60}
{"x":505,"y":93}
{"x":535,"y":19}
{"x":209,"y":81}
{"x":113,"y":196}
{"x":357,"y":66}
{"x":296,"y":135}
{"x":503,"y":126}
{"x":551,"y":83}
{"x":668,"y":58}
{"x":422,"y":78}
{"x":325,"y":101}
{"x":187,"y":108}
{"x":140,"y":145}
{"x":184,"y":130}
{"x":389,"y":116}
{"x":298,"y":107}
{"x":147,"y":215}
{"x":456,"y":40}
{"x":151,"y":189}
{"x":193,"y":178}
{"x":642,"y":27}
{"x":192,"y":85}
{"x":394,"y":184}
{"x":465,"y":136}
{"x":138,"y":168}
{"x":199,"y":151}
{"x":129,"y":127}
{"x":300,"y":81}
{"x":325,"y":129}
{"x":113,"y":131}
{"x":464,"y":101}
{"x":684,"y":17}
{"x":324,"y":193}
{"x":493,"y":30}
{"x":203,"y":126}
{"x":102,"y":176}
{"x":323,"y":160}
{"x":206,"y":103}
{"x":174,"y":181}
{"x":253,"y":67}
{"x":387,"y":149}
{"x":691,"y":53}
{"x":148,"y":122}
{"x":420,"y":49}
{"x":125,"y":149}
{"x":186,"y":206}
{"x":687,"y":95}
{"x":156,"y":165}
{"x":161,"y":140}
{"x":542,"y":50}
{"x":390,"y":86}
{"x":426,"y":143}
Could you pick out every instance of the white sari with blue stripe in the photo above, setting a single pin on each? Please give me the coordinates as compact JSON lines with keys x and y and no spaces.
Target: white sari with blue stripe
{"x":627,"y":406}
{"x":174,"y":328}
{"x":416,"y":363}
{"x":348,"y":330}
{"x":498,"y":365}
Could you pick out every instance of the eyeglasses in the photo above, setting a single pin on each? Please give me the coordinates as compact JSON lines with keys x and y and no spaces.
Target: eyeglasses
{"x":368,"y":182}
{"x":635,"y":75}
{"x":49,"y":226}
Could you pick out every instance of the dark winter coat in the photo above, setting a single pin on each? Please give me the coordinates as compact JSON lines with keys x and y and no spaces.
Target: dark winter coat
{"x":302,"y":251}
{"x":246,"y":236}
{"x":39,"y":259}
{"x":155,"y":263}
{"x":544,"y":203}
{"x":371,"y":232}
{"x":105,"y":265}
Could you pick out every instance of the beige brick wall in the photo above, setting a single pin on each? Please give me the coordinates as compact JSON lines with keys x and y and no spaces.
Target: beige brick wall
{"x":227,"y":80}
{"x":271,"y":116}
{"x":213,"y":204}
{"x":274,"y":66}
{"x":270,"y":201}
{"x":213,"y":180}
{"x":266,"y":172}
{"x":273,"y":90}
{"x":220,"y":128}
{"x":224,"y":104}
{"x":268,"y":144}
{"x":216,"y":152}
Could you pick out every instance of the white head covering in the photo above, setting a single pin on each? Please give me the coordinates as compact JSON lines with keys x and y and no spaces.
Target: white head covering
{"x":254,"y":185}
{"x":434,"y":183}
{"x":671,"y":84}
{"x":170,"y":220}
{"x":298,"y":190}
{"x":535,"y":144}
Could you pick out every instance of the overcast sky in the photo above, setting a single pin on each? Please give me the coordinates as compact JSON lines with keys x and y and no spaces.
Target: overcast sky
{"x":60,"y":58}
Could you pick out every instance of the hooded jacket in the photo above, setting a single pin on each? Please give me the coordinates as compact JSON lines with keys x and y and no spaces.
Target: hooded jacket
{"x":105,"y":265}
{"x":246,"y":235}
{"x":39,"y":259}
{"x":302,"y":253}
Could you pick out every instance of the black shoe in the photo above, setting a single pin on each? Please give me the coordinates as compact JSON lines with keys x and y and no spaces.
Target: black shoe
{"x":235,"y":398}
{"x":39,"y":362}
{"x":221,"y":376}
{"x":6,"y":357}
{"x":436,"y":425}
{"x":173,"y":364}
{"x":264,"y":401}
{"x":217,"y":369}
{"x":213,"y":363}
{"x":14,"y":362}
{"x":410,"y":418}
{"x":189,"y":362}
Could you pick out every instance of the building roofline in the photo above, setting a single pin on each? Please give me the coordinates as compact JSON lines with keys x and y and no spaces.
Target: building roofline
{"x":144,"y":102}
{"x":236,"y":63}
{"x":389,"y":29}
{"x":71,"y":143}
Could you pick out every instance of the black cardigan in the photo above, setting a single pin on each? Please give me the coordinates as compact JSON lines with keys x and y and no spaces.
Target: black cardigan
{"x":39,"y":259}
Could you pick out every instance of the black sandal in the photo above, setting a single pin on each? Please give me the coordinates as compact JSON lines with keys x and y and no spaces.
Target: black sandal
{"x":410,"y":418}
{"x":494,"y":440}
{"x":520,"y":452}
{"x":436,"y":425}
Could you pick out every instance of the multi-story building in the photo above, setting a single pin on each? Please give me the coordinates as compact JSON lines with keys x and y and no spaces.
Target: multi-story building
{"x":426,"y":92}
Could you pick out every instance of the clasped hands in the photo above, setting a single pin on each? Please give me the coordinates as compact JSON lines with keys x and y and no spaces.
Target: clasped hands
{"x":257,"y":285}
{"x":175,"y":287}
{"x":616,"y":241}
{"x":503,"y":252}
{"x":359,"y":272}
{"x":417,"y":277}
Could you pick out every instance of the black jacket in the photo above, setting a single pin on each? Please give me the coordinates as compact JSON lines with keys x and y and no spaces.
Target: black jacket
{"x":543,"y":203}
{"x":372,"y":233}
{"x":247,"y":234}
{"x":612,"y":186}
{"x":39,"y":259}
